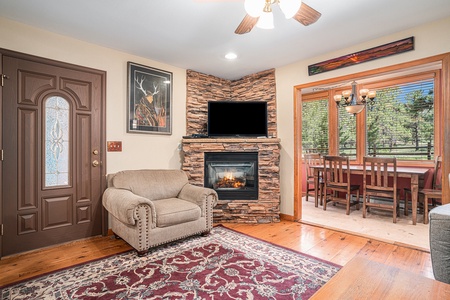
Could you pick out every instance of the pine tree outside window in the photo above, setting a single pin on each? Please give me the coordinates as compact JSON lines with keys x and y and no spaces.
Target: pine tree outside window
{"x":315,"y":124}
{"x":347,"y":133}
{"x":401,"y":122}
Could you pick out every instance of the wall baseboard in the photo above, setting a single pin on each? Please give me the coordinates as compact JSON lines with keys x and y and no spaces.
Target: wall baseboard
{"x":284,"y":217}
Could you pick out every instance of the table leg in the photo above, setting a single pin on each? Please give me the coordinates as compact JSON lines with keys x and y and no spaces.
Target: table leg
{"x":316,"y":187}
{"x":414,"y":196}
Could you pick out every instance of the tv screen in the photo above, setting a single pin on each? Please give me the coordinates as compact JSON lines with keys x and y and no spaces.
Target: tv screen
{"x":237,"y":118}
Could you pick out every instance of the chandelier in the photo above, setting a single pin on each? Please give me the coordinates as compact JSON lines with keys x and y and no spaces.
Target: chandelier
{"x":263,"y":10}
{"x":354,"y":105}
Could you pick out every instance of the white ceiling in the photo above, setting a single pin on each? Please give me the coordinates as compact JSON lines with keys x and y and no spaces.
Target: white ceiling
{"x":196,"y":34}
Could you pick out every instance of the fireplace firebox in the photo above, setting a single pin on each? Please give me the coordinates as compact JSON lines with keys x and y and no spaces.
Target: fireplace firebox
{"x":233,"y":175}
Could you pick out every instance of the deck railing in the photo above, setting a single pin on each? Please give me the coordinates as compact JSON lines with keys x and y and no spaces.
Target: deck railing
{"x":415,"y":153}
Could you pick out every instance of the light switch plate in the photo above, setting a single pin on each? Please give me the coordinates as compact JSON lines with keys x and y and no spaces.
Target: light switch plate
{"x":114,"y":146}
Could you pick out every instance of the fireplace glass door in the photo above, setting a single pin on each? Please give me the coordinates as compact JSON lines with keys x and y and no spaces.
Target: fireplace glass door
{"x":233,"y":175}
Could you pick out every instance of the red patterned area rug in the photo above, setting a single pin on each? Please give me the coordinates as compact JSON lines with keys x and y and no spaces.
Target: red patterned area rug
{"x":224,"y":265}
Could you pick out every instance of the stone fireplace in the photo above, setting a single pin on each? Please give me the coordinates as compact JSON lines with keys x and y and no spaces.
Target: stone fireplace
{"x":262,"y":202}
{"x":264,"y":209}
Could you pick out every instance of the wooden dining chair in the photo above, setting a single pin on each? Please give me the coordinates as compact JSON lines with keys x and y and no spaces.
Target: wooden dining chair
{"x":434,"y":193}
{"x":312,"y":159}
{"x":378,"y":190}
{"x":336,"y":177}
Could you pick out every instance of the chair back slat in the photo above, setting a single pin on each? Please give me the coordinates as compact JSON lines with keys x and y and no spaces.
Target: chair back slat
{"x":378,"y":169}
{"x":379,"y":191}
{"x":336,"y":171}
{"x":437,"y":175}
{"x":337,"y":186}
{"x":311,"y":159}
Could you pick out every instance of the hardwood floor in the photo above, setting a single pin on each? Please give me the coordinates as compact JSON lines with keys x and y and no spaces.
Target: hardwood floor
{"x":323,"y":243}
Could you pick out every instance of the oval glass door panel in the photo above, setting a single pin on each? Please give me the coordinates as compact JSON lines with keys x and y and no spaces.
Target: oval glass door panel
{"x":57,"y":114}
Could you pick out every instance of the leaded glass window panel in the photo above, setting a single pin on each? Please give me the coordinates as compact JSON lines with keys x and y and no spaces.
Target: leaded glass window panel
{"x":57,"y":120}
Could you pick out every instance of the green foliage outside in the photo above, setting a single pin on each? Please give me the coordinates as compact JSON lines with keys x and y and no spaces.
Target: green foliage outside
{"x":347,"y":133}
{"x":315,"y":126}
{"x":399,"y":124}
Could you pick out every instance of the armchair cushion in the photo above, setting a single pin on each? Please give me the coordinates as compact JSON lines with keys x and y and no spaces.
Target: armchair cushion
{"x":175,"y":211}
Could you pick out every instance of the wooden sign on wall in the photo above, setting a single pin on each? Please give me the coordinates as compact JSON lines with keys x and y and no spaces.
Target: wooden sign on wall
{"x":389,"y":49}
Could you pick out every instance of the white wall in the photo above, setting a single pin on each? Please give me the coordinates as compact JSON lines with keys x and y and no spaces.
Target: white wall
{"x":157,"y":151}
{"x":430,"y":39}
{"x":139,"y":150}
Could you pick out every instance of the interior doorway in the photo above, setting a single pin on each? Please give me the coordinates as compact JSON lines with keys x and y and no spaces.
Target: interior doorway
{"x":417,"y":66}
{"x":53,"y":141}
{"x":333,"y":217}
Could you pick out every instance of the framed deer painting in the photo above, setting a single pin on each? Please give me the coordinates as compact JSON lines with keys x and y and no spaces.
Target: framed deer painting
{"x":149,"y":100}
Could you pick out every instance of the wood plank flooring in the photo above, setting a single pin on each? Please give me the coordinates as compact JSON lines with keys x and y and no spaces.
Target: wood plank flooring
{"x":323,"y":243}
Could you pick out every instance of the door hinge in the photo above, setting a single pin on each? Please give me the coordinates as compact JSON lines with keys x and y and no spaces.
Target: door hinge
{"x":1,"y":155}
{"x":1,"y":229}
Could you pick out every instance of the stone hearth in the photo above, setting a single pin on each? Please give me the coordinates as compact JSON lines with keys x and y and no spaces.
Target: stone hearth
{"x":266,"y":208}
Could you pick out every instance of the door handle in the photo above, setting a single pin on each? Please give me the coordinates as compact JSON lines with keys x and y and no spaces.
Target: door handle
{"x":95,"y":163}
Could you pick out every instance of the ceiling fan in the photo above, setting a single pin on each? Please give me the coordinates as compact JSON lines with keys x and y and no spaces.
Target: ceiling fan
{"x":259,"y":13}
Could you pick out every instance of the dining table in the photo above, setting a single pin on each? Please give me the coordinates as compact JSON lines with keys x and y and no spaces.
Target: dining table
{"x":416,"y":174}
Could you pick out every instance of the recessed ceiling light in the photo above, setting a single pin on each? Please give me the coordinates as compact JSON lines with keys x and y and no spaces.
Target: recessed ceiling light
{"x":230,"y":56}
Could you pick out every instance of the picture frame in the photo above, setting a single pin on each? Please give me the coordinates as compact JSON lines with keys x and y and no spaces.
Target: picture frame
{"x":355,"y":58}
{"x":149,"y":100}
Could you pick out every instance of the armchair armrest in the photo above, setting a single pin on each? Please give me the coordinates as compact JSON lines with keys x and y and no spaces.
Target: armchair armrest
{"x":198,"y":195}
{"x":122,"y":204}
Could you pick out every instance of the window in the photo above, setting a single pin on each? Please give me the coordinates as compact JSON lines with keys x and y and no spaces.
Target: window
{"x":57,"y":111}
{"x":401,"y":123}
{"x":315,"y":123}
{"x":347,"y":133}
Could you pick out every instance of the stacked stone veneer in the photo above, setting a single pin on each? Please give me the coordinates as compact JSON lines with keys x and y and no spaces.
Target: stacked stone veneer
{"x":264,"y":210}
{"x":202,"y":88}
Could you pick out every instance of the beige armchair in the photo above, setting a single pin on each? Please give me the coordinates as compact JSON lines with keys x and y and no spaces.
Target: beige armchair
{"x":152,"y":207}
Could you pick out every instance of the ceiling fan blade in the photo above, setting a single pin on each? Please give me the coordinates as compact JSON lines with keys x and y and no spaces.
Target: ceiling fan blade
{"x":246,"y":25}
{"x":307,"y":15}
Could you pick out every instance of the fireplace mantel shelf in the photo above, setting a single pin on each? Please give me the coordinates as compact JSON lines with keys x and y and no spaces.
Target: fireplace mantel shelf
{"x":232,"y":140}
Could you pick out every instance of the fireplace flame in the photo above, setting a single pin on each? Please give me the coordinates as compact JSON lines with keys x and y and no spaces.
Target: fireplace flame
{"x":230,"y":181}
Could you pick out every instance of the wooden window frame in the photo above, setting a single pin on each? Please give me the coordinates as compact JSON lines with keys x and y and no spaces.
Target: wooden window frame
{"x":442,"y":118}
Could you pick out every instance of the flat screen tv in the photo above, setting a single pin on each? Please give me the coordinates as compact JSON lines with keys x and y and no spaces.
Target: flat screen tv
{"x":237,"y":118}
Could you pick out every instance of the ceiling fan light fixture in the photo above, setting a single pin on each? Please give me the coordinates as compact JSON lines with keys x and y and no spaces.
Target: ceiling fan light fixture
{"x":290,"y":7}
{"x":262,"y":9}
{"x":265,"y":21}
{"x":254,"y":8}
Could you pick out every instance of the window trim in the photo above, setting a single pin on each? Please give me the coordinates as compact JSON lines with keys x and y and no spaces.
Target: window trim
{"x":361,"y":132}
{"x":442,"y":88}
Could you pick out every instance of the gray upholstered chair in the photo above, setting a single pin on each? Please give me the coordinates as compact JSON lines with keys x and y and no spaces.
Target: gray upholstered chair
{"x":440,"y":242}
{"x":152,"y":207}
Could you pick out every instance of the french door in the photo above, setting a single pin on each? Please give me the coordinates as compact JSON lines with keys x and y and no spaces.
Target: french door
{"x":53,"y":152}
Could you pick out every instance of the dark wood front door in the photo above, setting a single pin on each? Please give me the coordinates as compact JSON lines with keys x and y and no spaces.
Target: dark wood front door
{"x":53,"y":150}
